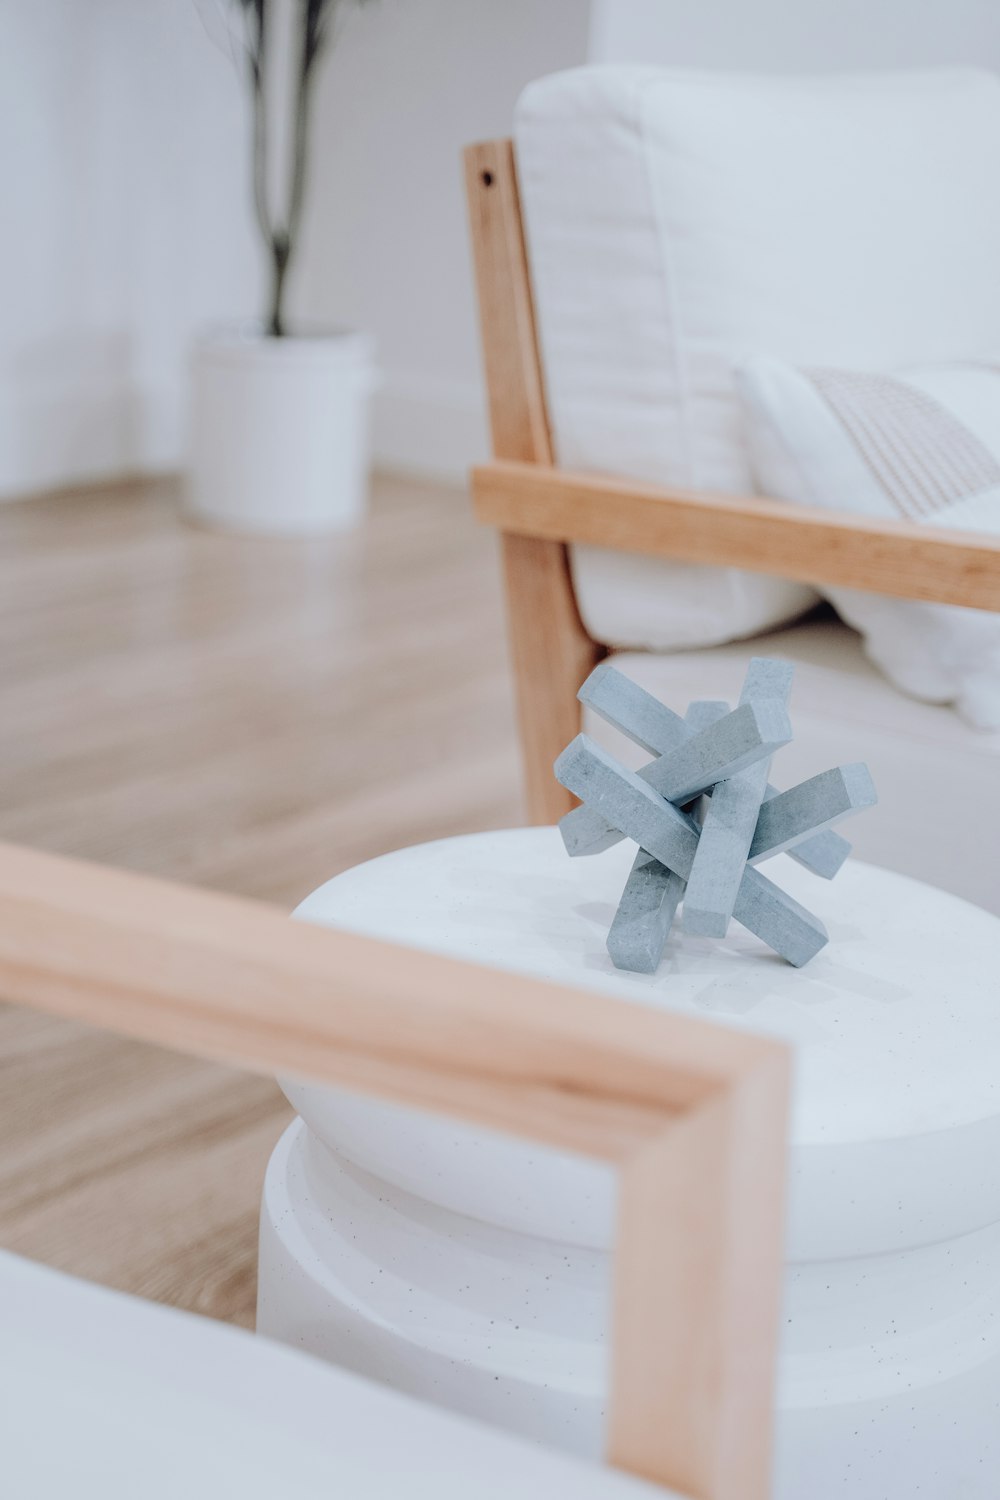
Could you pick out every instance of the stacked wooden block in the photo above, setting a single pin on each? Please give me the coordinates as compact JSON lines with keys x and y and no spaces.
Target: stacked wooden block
{"x":705,"y":815}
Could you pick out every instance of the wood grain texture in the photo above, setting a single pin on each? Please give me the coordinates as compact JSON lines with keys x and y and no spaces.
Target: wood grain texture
{"x":515,"y":388}
{"x":552,"y":656}
{"x":550,"y":648}
{"x":250,"y":716}
{"x":232,"y":979}
{"x":813,"y":546}
{"x":711,"y":1293}
{"x":133,"y":1166}
{"x":694,"y":1114}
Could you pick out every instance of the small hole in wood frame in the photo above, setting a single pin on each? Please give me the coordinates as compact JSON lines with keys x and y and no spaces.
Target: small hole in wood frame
{"x":486,"y":178}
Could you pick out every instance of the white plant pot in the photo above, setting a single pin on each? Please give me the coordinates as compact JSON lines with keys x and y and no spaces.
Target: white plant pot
{"x":280,"y":431}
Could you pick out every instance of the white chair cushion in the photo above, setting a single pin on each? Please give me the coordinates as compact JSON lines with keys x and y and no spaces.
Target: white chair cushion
{"x":105,"y":1397}
{"x":679,"y":221}
{"x":844,"y":710}
{"x":922,"y":447}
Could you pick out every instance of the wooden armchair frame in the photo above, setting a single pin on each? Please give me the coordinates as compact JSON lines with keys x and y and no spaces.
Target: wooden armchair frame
{"x":539,"y":509}
{"x":693,"y":1115}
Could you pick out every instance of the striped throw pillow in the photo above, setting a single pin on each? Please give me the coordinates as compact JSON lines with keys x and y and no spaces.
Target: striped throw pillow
{"x":922,"y":446}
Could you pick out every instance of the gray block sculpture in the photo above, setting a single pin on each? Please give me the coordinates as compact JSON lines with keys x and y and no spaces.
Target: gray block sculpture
{"x":704,"y":815}
{"x":620,"y":701}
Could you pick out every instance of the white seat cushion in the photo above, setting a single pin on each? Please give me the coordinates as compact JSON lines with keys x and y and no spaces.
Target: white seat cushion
{"x":843,"y":710}
{"x":679,"y":221}
{"x":105,"y":1397}
{"x":921,"y":446}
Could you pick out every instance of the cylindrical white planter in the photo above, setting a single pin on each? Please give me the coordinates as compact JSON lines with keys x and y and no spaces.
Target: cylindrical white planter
{"x":279,"y":431}
{"x":474,"y":1270}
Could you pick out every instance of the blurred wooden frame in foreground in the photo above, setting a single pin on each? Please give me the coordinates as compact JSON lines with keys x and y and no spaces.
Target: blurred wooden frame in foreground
{"x":692,"y":1114}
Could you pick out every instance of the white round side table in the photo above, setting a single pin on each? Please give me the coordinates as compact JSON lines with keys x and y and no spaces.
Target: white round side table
{"x":473,"y":1270}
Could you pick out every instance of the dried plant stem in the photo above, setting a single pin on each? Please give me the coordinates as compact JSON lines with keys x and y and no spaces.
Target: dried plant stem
{"x":280,"y":234}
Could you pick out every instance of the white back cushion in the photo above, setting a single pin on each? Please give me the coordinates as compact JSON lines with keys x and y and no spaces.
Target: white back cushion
{"x":677,"y":221}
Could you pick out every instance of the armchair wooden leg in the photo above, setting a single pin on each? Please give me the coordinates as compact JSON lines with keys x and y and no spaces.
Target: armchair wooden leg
{"x":551,"y":654}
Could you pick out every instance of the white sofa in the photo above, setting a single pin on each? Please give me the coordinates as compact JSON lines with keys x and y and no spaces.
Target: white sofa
{"x":677,"y":223}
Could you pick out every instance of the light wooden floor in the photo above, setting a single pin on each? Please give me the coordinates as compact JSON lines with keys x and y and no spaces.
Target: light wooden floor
{"x":243,"y":714}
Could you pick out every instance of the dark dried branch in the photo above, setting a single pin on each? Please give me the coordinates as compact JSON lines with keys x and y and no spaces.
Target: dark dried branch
{"x":280,"y":232}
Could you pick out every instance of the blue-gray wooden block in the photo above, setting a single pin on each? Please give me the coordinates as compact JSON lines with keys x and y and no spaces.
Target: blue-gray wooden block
{"x":628,"y":803}
{"x":749,"y":734}
{"x":822,"y":853}
{"x":721,"y":749}
{"x":767,"y":677}
{"x":642,"y":922}
{"x":777,"y":920}
{"x":730,"y":819}
{"x":583,"y":830}
{"x":647,"y":721}
{"x":671,"y":836}
{"x":630,"y":708}
{"x":703,"y":712}
{"x":700,"y":715}
{"x":824,"y":799}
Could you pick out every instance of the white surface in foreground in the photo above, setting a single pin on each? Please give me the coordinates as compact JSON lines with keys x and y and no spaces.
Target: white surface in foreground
{"x":106,"y":1397}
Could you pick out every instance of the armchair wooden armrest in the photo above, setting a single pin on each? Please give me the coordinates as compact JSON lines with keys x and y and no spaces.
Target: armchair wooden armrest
{"x":693,"y":1115}
{"x":765,"y":536}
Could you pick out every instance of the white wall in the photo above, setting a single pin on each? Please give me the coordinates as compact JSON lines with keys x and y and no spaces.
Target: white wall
{"x":124,"y":154}
{"x":387,"y":244}
{"x":783,"y":35}
{"x":126,"y":226}
{"x":409,"y":84}
{"x":127,"y":221}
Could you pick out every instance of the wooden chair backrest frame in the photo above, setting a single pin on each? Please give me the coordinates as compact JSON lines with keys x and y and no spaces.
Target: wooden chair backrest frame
{"x":693,"y":1115}
{"x":550,"y":646}
{"x":540,"y":509}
